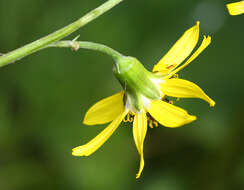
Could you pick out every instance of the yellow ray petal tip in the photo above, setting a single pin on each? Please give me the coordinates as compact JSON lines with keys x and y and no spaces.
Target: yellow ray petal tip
{"x":85,"y":121}
{"x":235,"y":8}
{"x":138,"y":176}
{"x":77,"y":151}
{"x":212,"y":103}
{"x":74,"y":151}
{"x":196,"y":27}
{"x":208,"y":38}
{"x":190,"y":119}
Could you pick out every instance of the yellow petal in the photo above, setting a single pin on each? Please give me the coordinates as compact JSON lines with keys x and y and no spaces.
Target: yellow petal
{"x":236,"y":8}
{"x":105,"y":110}
{"x":169,"y":115}
{"x":206,"y":41}
{"x":100,"y":139}
{"x":180,"y":51}
{"x":139,"y":133}
{"x":184,"y":89}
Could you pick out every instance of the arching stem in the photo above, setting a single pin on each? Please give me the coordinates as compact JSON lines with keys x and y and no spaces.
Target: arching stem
{"x":75,"y":45}
{"x":37,"y":45}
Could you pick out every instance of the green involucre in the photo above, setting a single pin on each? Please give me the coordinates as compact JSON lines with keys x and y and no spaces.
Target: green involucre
{"x":135,"y":80}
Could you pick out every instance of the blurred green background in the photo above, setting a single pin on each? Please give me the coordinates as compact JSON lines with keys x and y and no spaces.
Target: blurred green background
{"x":44,"y":97}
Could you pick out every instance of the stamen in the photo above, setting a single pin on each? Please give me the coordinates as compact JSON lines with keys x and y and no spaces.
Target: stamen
{"x":155,"y":123}
{"x":167,"y":100}
{"x":151,"y":121}
{"x":175,"y":76}
{"x":124,"y":120}
{"x":129,"y":118}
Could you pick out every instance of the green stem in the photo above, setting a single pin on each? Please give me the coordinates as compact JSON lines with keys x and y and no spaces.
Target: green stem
{"x":28,"y":49}
{"x":75,"y":45}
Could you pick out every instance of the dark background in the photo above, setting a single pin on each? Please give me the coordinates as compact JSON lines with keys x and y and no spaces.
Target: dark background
{"x":44,"y":97}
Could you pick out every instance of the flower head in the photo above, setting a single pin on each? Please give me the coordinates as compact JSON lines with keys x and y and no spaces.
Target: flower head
{"x":143,"y":99}
{"x":236,"y":8}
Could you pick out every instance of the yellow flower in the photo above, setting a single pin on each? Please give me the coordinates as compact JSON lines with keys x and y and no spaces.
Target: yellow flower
{"x":144,"y":98}
{"x":236,"y":8}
